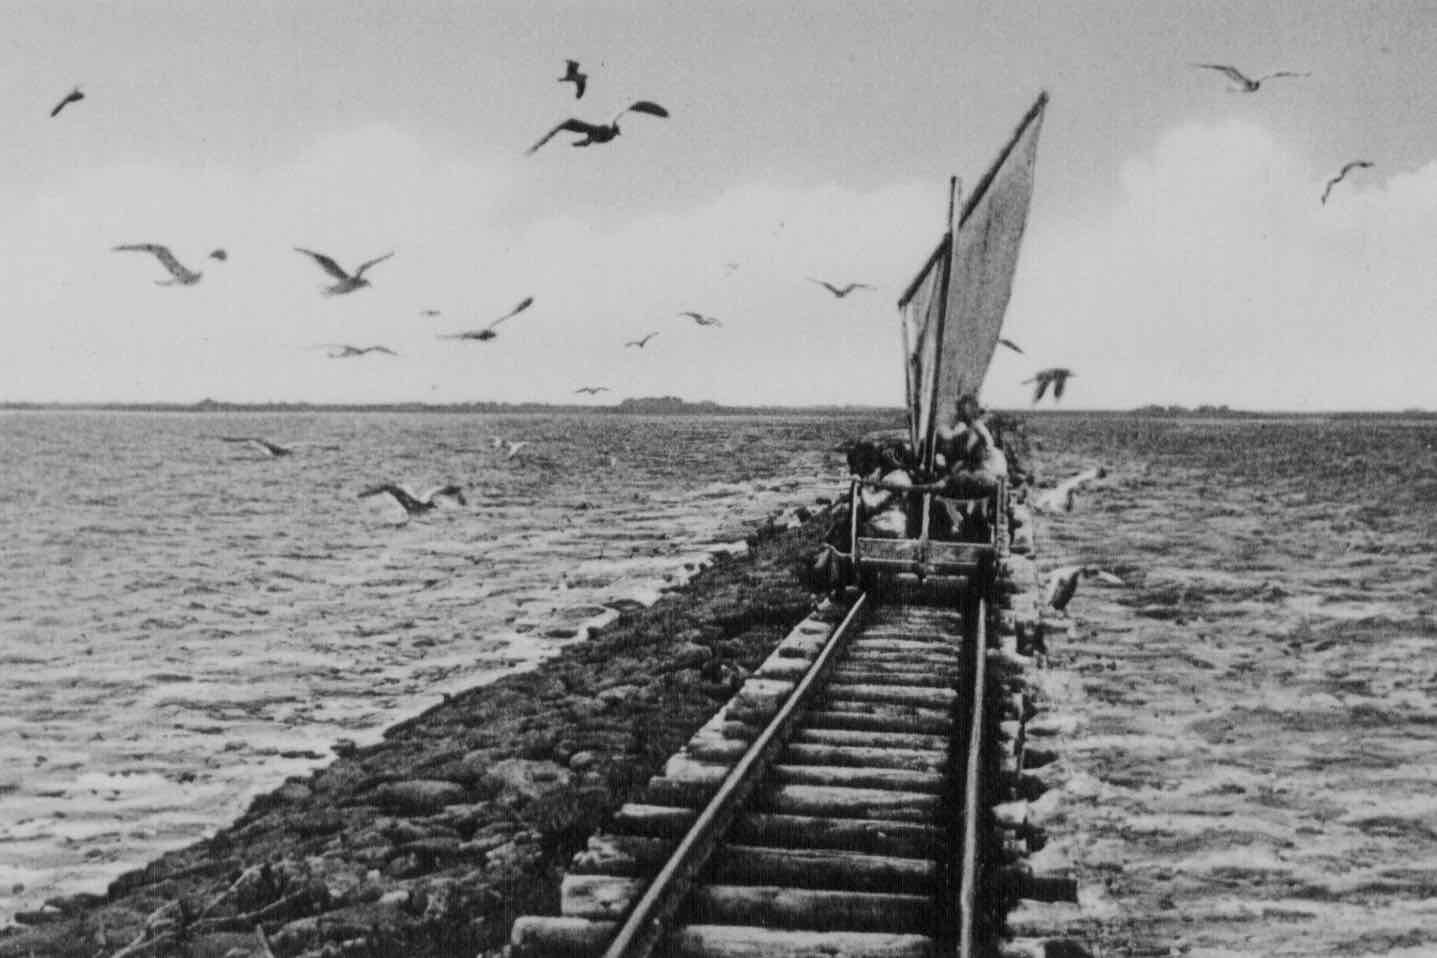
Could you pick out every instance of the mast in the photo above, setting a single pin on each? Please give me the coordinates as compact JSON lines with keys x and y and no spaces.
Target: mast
{"x":954,"y":186}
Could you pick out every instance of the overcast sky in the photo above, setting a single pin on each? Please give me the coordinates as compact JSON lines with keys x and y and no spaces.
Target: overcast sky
{"x":1176,"y":252}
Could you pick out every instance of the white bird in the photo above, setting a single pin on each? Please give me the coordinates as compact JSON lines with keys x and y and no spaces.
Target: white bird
{"x":1347,"y":168}
{"x":1060,"y":497}
{"x":346,"y":283}
{"x":1063,"y":584}
{"x":1241,"y":82}
{"x":599,"y":132}
{"x":640,"y":343}
{"x":839,"y":291}
{"x":488,"y":333}
{"x":572,"y":75}
{"x":263,"y":445}
{"x":183,"y":275}
{"x":413,"y":504}
{"x":701,"y":319}
{"x":511,"y":446}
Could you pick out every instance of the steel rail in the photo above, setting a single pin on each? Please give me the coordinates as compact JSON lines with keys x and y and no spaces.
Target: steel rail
{"x":648,"y":923}
{"x":968,"y":856}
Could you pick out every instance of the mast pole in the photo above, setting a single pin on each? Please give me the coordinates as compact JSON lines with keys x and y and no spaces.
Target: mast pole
{"x":955,"y":185}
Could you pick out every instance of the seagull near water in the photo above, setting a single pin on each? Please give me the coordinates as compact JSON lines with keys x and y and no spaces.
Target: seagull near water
{"x":512,"y":446}
{"x":1060,"y":497}
{"x":183,"y":275}
{"x":413,"y":504}
{"x":1241,"y":82}
{"x":1057,"y":376}
{"x":346,"y":351}
{"x":347,"y":283}
{"x":488,"y":333}
{"x":599,"y":132}
{"x":1063,"y":584}
{"x":640,"y":343}
{"x":572,"y":75}
{"x":1342,"y":175}
{"x":839,"y":291}
{"x":74,"y":96}
{"x":701,"y":319}
{"x":273,"y":450}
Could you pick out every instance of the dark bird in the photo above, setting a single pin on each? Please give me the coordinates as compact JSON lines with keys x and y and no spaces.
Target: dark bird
{"x":839,"y":291}
{"x":74,"y":96}
{"x":431,"y":313}
{"x":572,"y":75}
{"x":641,"y":343}
{"x":1347,"y":168}
{"x":1011,"y":345}
{"x":183,"y":276}
{"x":263,"y":445}
{"x":599,"y":132}
{"x":1058,"y":377}
{"x":417,"y":505}
{"x":701,"y":319}
{"x":347,"y":283}
{"x":345,"y":351}
{"x":1060,"y":497}
{"x":219,"y":254}
{"x":488,"y":333}
{"x":1063,"y":584}
{"x":1242,"y":83}
{"x":592,"y":390}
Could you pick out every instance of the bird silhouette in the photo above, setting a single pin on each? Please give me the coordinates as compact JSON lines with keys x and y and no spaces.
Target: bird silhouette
{"x":701,"y":319}
{"x":599,"y":132}
{"x":263,"y":445}
{"x":1242,"y":83}
{"x":1011,"y":345}
{"x":488,"y":333}
{"x":346,"y":283}
{"x":1057,"y":376}
{"x":1063,"y":584}
{"x":345,"y":351}
{"x":183,"y":276}
{"x":572,"y":75}
{"x":219,"y":254}
{"x":592,"y":390}
{"x":1060,"y":498}
{"x":413,"y":504}
{"x":839,"y":291}
{"x":1346,"y":168}
{"x":74,"y":96}
{"x":431,"y":313}
{"x":640,"y":343}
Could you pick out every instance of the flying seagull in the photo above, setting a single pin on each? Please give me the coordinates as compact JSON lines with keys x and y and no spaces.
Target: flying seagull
{"x":1060,"y":497}
{"x":183,"y":276}
{"x":1063,"y":584}
{"x":74,"y":96}
{"x":701,"y":319}
{"x":219,"y":254}
{"x":488,"y":333}
{"x":1347,"y":168}
{"x":263,"y":445}
{"x":641,"y":343}
{"x":1057,"y":376}
{"x":345,"y":351}
{"x":415,"y":505}
{"x":1011,"y":345}
{"x":600,"y":132}
{"x":430,"y":313}
{"x":347,"y":283}
{"x":839,"y":291}
{"x":1242,"y":83}
{"x":512,"y":446}
{"x":572,"y":75}
{"x":592,"y":390}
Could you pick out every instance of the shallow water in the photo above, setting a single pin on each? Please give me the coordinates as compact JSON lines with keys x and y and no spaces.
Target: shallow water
{"x":186,"y":622}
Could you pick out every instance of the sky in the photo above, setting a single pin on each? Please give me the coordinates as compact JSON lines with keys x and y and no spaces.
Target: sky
{"x":1176,"y":251}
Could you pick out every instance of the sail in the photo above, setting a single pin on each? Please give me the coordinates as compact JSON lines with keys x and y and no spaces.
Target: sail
{"x":953,"y":312}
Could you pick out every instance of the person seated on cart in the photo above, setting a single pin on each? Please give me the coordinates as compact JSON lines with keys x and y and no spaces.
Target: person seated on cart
{"x":971,"y":464}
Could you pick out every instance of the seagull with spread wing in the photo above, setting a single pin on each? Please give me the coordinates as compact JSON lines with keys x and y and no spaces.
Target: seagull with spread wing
{"x":1347,"y":168}
{"x":1061,"y":497}
{"x":592,"y":390}
{"x":574,"y":76}
{"x":273,"y":450}
{"x":346,"y":283}
{"x":1057,"y":377}
{"x":701,"y":319}
{"x":1011,"y":345}
{"x":1241,"y":82}
{"x":413,"y":504}
{"x":599,"y":132}
{"x":839,"y":291}
{"x":183,"y":275}
{"x":74,"y":96}
{"x":1063,"y":584}
{"x":488,"y":333}
{"x":640,"y":343}
{"x":346,"y":351}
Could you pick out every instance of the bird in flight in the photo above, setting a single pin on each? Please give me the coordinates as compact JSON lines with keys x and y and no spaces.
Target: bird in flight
{"x":219,"y":254}
{"x":1060,"y":497}
{"x":488,"y":333}
{"x":183,"y":276}
{"x":345,"y":351}
{"x":1063,"y":584}
{"x":1011,"y":345}
{"x":74,"y":96}
{"x":701,"y":319}
{"x":1241,"y":82}
{"x":599,"y":132}
{"x":416,"y":505}
{"x":263,"y":445}
{"x":1058,"y":377}
{"x":431,"y":313}
{"x":510,"y":446}
{"x":346,"y":283}
{"x":640,"y":343}
{"x":572,"y":75}
{"x":839,"y":291}
{"x":592,"y":390}
{"x":1347,"y":168}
